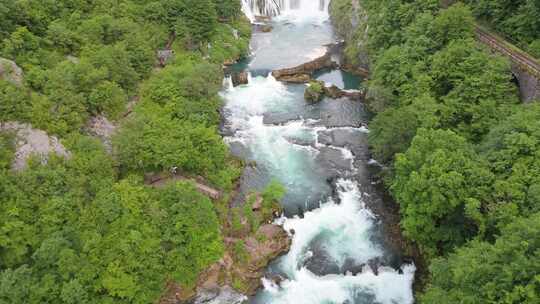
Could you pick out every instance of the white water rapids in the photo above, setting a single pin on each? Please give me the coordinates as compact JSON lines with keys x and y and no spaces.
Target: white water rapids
{"x":339,"y":230}
{"x":299,"y":9}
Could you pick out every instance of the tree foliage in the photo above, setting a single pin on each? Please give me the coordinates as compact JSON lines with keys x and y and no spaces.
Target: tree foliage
{"x":518,"y":20}
{"x":86,"y":229}
{"x":503,"y":272}
{"x":81,"y":237}
{"x":440,"y":184}
{"x":462,"y":154}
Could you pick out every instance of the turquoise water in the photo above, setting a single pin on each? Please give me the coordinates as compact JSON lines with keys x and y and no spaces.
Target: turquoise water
{"x":340,"y":78}
{"x":319,"y":153}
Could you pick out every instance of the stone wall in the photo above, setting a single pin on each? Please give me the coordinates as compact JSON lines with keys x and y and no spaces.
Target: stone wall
{"x":529,"y":85}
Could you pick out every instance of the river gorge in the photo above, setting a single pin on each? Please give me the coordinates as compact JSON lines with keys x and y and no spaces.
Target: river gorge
{"x":319,"y":152}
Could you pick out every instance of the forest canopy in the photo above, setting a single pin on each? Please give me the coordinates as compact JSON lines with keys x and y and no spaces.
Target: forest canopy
{"x":461,"y":152}
{"x":87,"y":228}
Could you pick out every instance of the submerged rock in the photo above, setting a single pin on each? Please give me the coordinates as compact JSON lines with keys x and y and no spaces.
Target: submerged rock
{"x":333,"y":160}
{"x":279,"y":119}
{"x":353,"y":139}
{"x":305,"y":142}
{"x":267,"y":28}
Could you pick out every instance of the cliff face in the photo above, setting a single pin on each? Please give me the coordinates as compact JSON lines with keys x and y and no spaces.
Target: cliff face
{"x":350,"y":23}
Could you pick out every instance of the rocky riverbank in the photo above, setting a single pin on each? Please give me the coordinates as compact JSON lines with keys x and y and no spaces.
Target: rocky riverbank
{"x":251,"y":243}
{"x":349,"y":20}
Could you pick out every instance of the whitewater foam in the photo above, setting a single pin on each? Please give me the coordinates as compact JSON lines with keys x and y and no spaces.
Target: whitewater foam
{"x":345,"y":229}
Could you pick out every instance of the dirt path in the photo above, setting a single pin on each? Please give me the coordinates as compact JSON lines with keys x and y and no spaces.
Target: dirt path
{"x":161,"y":180}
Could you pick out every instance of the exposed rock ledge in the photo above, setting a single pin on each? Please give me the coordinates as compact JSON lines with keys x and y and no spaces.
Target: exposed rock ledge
{"x":332,"y":91}
{"x":269,"y":242}
{"x":303,"y":72}
{"x":214,"y":285}
{"x":237,"y":274}
{"x":10,"y":71}
{"x":103,"y":129}
{"x":30,"y":142}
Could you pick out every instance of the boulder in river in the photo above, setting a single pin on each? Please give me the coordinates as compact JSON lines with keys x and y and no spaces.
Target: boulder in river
{"x":239,"y":78}
{"x":267,"y":28}
{"x":317,"y":89}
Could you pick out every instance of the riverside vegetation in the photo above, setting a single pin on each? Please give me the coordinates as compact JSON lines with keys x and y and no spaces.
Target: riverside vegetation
{"x":462,"y":154}
{"x":86,"y":229}
{"x":517,"y":20}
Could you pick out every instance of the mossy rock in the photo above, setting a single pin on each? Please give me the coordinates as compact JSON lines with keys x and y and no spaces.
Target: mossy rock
{"x":314,"y":92}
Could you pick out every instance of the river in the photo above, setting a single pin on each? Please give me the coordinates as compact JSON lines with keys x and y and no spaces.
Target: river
{"x":319,"y":153}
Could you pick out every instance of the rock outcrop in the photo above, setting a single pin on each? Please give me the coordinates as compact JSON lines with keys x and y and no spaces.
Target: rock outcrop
{"x":303,"y":72}
{"x":250,"y":245}
{"x":350,"y":22}
{"x":103,"y":129}
{"x":31,"y":142}
{"x":266,"y":244}
{"x":10,"y":71}
{"x":335,"y":92}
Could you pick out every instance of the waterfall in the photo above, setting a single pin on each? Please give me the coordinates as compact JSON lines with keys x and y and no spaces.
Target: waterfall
{"x":268,"y":8}
{"x":228,"y":83}
{"x":273,"y":8}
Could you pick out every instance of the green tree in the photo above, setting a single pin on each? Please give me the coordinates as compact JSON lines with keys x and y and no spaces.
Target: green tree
{"x":441,"y":185}
{"x":228,"y":9}
{"x":198,"y":20}
{"x":107,"y":98}
{"x":15,"y":102}
{"x":154,"y":142}
{"x":190,"y":228}
{"x":511,"y":149}
{"x":20,"y":45}
{"x":475,"y":88}
{"x":480,"y":272}
{"x":272,"y":196}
